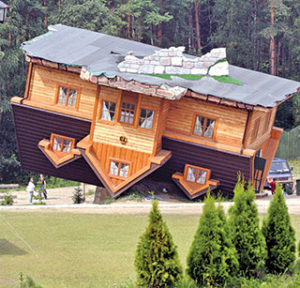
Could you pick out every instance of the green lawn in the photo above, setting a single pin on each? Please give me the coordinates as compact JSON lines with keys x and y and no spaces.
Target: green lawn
{"x":80,"y":250}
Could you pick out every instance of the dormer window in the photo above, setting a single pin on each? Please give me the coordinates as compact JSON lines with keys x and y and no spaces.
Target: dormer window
{"x":62,"y":144}
{"x":204,"y":126}
{"x":119,"y":169}
{"x":67,"y":96}
{"x":196,"y":174}
{"x":108,"y":110}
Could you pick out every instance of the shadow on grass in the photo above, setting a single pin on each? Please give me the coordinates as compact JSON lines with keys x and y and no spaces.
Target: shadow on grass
{"x":8,"y":248}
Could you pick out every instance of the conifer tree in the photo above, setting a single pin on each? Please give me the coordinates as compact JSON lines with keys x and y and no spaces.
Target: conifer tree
{"x":245,"y":232}
{"x":279,"y":235}
{"x":156,"y":261}
{"x":212,"y":260}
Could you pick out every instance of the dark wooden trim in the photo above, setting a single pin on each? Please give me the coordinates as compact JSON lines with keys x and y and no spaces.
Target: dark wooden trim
{"x":62,"y":164}
{"x":28,"y":83}
{"x":245,"y":132}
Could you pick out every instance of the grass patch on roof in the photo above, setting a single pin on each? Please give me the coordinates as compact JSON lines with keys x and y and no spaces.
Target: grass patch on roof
{"x":223,"y":79}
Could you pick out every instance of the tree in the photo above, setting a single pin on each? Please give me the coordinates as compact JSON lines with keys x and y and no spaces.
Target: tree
{"x":77,"y":196}
{"x":279,"y":235}
{"x":156,"y":261}
{"x":244,"y":228}
{"x":212,"y":257}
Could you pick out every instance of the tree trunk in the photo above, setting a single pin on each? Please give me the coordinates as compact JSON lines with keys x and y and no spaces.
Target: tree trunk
{"x":272,"y":44}
{"x":46,"y":18}
{"x":128,"y":26}
{"x":197,"y":27}
{"x":159,"y":30}
{"x":190,"y":24}
{"x":101,"y":195}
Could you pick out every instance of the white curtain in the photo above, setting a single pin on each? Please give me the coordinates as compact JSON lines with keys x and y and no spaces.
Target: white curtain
{"x":198,"y":126}
{"x":209,"y":129}
{"x":105,"y":112}
{"x":191,"y":175}
{"x":147,"y":123}
{"x":124,"y":170}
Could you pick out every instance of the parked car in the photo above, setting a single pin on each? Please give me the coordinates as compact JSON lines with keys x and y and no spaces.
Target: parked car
{"x":281,"y":172}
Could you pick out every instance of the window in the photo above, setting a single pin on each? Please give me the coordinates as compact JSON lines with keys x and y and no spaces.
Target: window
{"x":108,"y":110}
{"x":62,"y":144}
{"x":67,"y":96}
{"x":196,"y":174}
{"x":119,"y":169}
{"x":146,"y":118}
{"x":128,"y":107}
{"x":204,"y":126}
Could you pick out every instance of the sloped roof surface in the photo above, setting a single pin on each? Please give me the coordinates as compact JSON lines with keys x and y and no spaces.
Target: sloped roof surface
{"x":101,"y":53}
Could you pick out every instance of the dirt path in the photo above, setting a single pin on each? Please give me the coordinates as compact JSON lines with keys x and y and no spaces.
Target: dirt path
{"x":60,"y":200}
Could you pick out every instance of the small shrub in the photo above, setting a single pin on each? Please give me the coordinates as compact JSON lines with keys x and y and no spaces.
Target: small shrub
{"x":90,"y":192}
{"x":77,"y":196}
{"x":8,"y":200}
{"x":279,"y":235}
{"x":28,"y":283}
{"x":156,"y":261}
{"x":39,"y":199}
{"x":212,"y":260}
{"x":247,"y":237}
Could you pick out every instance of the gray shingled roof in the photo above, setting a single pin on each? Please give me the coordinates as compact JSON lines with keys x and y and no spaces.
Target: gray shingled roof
{"x":101,"y":53}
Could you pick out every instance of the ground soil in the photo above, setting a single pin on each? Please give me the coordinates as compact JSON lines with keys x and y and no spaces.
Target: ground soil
{"x":60,"y":200}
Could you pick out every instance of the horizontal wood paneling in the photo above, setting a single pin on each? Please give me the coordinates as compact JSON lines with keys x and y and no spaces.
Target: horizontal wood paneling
{"x":43,"y":90}
{"x":141,"y":140}
{"x":32,"y":125}
{"x":230,"y":122}
{"x":224,"y":166}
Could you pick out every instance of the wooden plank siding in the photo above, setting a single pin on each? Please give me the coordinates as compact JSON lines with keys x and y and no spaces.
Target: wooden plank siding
{"x":141,"y":140}
{"x":30,"y":130}
{"x":262,"y":134}
{"x":43,"y":91}
{"x":230,"y":121}
{"x":105,"y":153}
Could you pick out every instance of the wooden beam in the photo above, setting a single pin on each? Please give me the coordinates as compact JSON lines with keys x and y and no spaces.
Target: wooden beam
{"x":94,"y":119}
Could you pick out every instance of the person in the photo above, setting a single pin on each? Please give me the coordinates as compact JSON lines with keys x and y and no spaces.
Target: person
{"x":43,"y":186}
{"x":30,"y":189}
{"x":273,"y":186}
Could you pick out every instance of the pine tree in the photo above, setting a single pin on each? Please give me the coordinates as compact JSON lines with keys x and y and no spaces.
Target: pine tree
{"x":244,"y":228}
{"x":77,"y":196}
{"x":279,"y":234}
{"x":156,"y":261}
{"x":212,"y":257}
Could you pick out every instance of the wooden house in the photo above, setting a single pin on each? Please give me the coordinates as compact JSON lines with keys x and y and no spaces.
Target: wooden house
{"x":113,"y":112}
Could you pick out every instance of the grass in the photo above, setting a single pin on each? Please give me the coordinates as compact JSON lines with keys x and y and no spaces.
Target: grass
{"x":81,"y":250}
{"x":223,"y":79}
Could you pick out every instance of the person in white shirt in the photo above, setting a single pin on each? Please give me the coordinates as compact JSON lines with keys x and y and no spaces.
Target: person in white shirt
{"x":30,"y":189}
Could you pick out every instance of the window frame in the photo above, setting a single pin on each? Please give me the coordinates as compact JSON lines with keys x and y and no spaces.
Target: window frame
{"x":100,"y":111}
{"x":205,"y":122}
{"x":68,"y":87}
{"x":154,"y":117}
{"x":53,"y":135}
{"x":119,"y":167}
{"x":198,"y":168}
{"x":129,"y":99}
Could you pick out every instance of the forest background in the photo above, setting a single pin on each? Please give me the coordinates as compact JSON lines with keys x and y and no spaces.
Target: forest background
{"x":262,"y":35}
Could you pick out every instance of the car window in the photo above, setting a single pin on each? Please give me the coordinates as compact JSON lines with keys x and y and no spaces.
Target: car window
{"x":279,"y":167}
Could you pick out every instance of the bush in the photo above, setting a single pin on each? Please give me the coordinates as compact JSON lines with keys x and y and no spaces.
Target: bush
{"x":77,"y":196}
{"x":28,"y":283}
{"x":8,"y":200}
{"x":279,"y":235}
{"x":211,"y":260}
{"x":244,"y":228}
{"x":156,"y":261}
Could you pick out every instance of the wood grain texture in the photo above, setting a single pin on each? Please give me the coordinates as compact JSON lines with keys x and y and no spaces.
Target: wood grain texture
{"x":231,"y":122}
{"x":43,"y":91}
{"x":138,"y":139}
{"x":262,"y":134}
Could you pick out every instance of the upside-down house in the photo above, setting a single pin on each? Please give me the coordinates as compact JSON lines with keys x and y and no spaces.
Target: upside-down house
{"x":113,"y":112}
